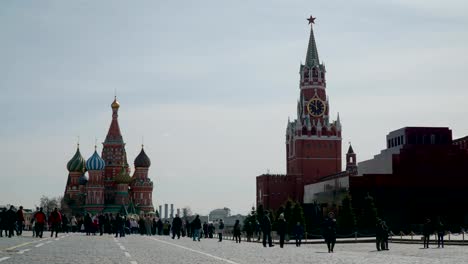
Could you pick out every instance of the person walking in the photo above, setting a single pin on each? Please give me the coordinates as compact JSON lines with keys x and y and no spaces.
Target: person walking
{"x":65,"y":224}
{"x":176,"y":226}
{"x":73,"y":224}
{"x":39,"y":219}
{"x":440,"y":229}
{"x":427,"y":231}
{"x":248,"y":230}
{"x":329,"y":231}
{"x":220,"y":230}
{"x":3,"y":220}
{"x":119,"y":224}
{"x":384,"y":236}
{"x":88,"y":224}
{"x":19,"y":221}
{"x":298,"y":233}
{"x":237,"y":231}
{"x":282,"y":229}
{"x":266,"y":230}
{"x":196,"y":226}
{"x":55,"y":220}
{"x":11,"y":221}
{"x":102,"y":223}
{"x":378,"y":234}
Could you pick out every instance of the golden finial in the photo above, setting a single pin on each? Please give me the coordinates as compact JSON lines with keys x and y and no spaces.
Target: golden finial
{"x":115,"y":103}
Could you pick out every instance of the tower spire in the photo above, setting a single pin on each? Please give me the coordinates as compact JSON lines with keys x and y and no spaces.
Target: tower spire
{"x":312,"y":57}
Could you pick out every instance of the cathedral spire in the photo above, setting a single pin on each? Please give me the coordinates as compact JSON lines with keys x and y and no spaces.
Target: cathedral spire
{"x":114,"y":135}
{"x":312,"y":58}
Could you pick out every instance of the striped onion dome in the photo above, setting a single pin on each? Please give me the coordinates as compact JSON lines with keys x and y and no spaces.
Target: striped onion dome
{"x":77,"y":163}
{"x":123,"y":177}
{"x":95,"y":162}
{"x":142,"y":160}
{"x":83,"y":180}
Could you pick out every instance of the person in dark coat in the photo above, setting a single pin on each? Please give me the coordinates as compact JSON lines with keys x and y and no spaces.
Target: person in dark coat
{"x":378,"y":234}
{"x":266,"y":229}
{"x":205,"y":229}
{"x":384,"y":236}
{"x":102,"y":223}
{"x":120,"y":225}
{"x":298,"y":233}
{"x":88,"y":224}
{"x":427,"y":231}
{"x":176,"y":226}
{"x":160,"y":227}
{"x":329,"y":231}
{"x":440,"y":229}
{"x":196,"y":226}
{"x":65,"y":224}
{"x":237,"y":231}
{"x":11,"y":221}
{"x":282,"y":229}
{"x":248,"y":230}
{"x":3,"y":222}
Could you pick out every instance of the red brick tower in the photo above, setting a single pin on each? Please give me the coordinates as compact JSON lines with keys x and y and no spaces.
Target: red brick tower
{"x":351,"y":163}
{"x":142,"y":186}
{"x":313,"y":142}
{"x":114,"y":156}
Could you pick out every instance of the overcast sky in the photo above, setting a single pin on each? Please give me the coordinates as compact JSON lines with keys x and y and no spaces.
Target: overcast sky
{"x":210,"y":85}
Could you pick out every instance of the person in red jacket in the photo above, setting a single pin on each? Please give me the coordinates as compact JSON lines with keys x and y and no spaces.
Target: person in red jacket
{"x":19,"y":221}
{"x":40,"y":219}
{"x":55,"y":220}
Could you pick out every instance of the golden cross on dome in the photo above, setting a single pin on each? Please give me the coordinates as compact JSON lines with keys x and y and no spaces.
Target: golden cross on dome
{"x":311,"y":20}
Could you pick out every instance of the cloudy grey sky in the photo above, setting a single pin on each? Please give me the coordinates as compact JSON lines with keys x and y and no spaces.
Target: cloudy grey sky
{"x":210,"y":85}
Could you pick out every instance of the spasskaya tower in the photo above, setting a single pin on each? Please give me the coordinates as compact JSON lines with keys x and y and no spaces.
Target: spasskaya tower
{"x":313,"y":140}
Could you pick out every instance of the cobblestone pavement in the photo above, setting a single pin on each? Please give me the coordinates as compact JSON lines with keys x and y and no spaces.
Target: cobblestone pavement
{"x":134,"y":249}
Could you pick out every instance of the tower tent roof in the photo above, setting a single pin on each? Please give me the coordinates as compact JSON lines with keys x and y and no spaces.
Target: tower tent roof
{"x":312,"y":58}
{"x":114,"y":135}
{"x":350,"y":149}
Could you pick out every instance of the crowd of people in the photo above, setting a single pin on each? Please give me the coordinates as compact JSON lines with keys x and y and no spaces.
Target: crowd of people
{"x":12,"y":222}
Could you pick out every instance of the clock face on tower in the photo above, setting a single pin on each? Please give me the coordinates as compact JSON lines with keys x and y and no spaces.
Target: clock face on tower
{"x":316,"y":107}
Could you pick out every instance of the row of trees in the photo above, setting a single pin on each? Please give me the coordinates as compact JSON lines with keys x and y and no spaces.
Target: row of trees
{"x":349,"y":219}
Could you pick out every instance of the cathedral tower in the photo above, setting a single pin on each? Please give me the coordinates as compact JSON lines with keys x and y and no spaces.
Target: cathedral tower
{"x":113,"y":154}
{"x":95,"y":185}
{"x":142,"y":186}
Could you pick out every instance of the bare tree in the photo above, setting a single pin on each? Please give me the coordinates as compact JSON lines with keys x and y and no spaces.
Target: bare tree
{"x":48,"y":204}
{"x":186,"y":211}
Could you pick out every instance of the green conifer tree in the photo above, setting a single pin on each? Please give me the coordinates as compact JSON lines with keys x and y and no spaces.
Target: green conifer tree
{"x":368,"y":217}
{"x":346,"y":218}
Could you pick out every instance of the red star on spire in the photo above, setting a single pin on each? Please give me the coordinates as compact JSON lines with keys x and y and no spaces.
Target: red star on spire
{"x":311,"y":20}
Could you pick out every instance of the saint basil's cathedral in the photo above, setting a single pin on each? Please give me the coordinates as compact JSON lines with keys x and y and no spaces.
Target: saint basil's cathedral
{"x":103,"y":183}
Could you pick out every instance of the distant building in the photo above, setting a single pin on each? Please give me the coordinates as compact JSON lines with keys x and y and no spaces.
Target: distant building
{"x":104,"y":184}
{"x":217,"y":214}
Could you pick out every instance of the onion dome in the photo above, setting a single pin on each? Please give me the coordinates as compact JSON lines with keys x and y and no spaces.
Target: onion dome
{"x":142,"y":160}
{"x":115,"y":103}
{"x":123,"y":177}
{"x":95,"y":162}
{"x":77,"y":163}
{"x":83,"y":180}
